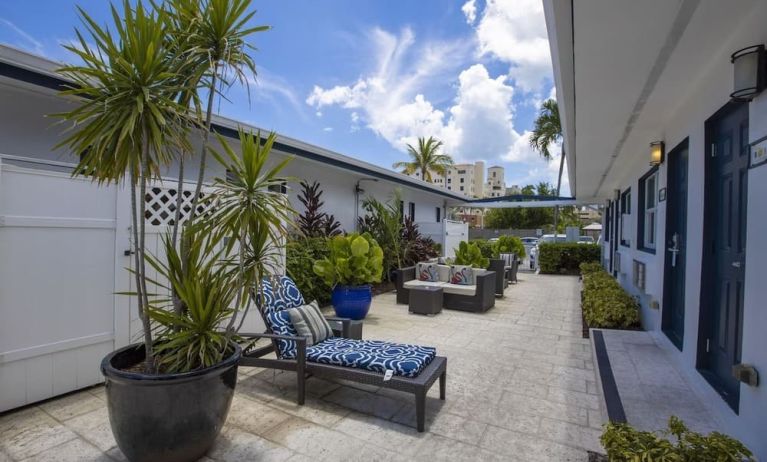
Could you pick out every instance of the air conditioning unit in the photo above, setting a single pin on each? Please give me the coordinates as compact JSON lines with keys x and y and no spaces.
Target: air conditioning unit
{"x":617,"y":263}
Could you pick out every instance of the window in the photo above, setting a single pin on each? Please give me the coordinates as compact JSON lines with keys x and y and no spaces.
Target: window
{"x":461,"y":180}
{"x":411,"y":210}
{"x":439,"y":214}
{"x":493,"y":174}
{"x":461,"y":188}
{"x":461,"y":172}
{"x":608,"y":219}
{"x":648,"y":203}
{"x":626,"y":218}
{"x":449,"y":180}
{"x":281,"y":188}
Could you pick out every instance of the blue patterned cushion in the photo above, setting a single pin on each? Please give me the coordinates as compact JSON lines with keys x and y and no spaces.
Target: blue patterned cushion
{"x":281,"y":296}
{"x":280,"y":324}
{"x":373,"y":355}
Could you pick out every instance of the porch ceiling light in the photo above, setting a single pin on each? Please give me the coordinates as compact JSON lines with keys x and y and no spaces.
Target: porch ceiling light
{"x":657,"y":152}
{"x":750,"y":73}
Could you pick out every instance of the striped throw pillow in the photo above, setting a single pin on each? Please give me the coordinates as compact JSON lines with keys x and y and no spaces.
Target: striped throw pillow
{"x":310,"y":323}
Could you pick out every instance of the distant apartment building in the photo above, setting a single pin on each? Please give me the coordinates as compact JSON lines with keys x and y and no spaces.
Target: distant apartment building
{"x":513,"y":190}
{"x":467,"y":179}
{"x":496,"y":182}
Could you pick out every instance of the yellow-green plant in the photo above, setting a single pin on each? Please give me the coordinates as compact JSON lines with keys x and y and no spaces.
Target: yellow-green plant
{"x":510,"y":244}
{"x":354,"y":260}
{"x":470,"y":254}
{"x":624,"y":443}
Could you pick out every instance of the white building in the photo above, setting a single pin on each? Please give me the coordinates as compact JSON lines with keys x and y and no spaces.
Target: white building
{"x":496,"y":182}
{"x":685,"y":236}
{"x":65,"y":242}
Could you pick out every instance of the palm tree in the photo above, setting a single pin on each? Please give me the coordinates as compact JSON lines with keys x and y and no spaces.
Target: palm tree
{"x":128,"y":121}
{"x":426,"y":159}
{"x":547,"y":131}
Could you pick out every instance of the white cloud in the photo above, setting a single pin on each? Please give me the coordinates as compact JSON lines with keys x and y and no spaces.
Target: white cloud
{"x":514,"y":31}
{"x":27,"y":42}
{"x":391,"y":102}
{"x":470,"y":10}
{"x":327,"y":129}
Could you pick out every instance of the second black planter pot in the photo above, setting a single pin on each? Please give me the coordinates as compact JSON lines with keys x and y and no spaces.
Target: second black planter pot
{"x":170,"y":418}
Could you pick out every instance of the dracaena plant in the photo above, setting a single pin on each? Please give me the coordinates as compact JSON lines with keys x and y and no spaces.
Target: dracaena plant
{"x":128,"y":122}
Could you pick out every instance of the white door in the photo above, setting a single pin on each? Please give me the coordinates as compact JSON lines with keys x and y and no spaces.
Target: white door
{"x":57,"y":281}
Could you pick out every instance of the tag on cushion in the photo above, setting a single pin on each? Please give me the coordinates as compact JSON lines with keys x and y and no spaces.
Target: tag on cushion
{"x":388,"y":375}
{"x":310,"y":323}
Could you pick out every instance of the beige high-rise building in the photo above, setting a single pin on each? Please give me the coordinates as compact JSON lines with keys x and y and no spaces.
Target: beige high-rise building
{"x":468,"y":179}
{"x":496,"y":182}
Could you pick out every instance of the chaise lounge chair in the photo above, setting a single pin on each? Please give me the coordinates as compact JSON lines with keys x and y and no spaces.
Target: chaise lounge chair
{"x":415,"y":368}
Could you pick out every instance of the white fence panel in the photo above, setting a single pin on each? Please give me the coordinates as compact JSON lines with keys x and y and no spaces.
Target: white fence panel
{"x":447,"y":233}
{"x":57,"y":263}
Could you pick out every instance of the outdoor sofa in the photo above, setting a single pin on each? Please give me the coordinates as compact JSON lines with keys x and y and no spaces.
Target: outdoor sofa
{"x":415,"y":368}
{"x":477,"y":298}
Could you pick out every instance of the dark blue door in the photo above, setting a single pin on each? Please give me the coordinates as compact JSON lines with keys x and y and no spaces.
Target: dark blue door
{"x":724,"y":248}
{"x":676,"y":239}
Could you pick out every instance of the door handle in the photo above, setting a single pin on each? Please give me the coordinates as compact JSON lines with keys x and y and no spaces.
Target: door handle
{"x":736,"y":264}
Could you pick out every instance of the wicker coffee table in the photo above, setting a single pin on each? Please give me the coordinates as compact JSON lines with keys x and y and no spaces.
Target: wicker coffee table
{"x":425,"y":300}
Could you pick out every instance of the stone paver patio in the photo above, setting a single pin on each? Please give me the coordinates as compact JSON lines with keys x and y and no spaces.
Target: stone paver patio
{"x":521,"y":386}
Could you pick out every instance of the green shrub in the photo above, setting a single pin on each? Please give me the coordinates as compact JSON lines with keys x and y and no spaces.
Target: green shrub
{"x":470,"y":255}
{"x":624,"y":443}
{"x":510,"y":244}
{"x":485,"y":247}
{"x":566,"y":257}
{"x":354,"y":260}
{"x":590,"y":267}
{"x":606,"y":304}
{"x":300,"y":255}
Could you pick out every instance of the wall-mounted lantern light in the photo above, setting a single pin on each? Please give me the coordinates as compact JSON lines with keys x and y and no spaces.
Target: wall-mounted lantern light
{"x":750,"y":69}
{"x":657,"y":152}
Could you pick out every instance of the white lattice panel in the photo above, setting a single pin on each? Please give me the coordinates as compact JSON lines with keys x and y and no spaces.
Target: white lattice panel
{"x":161,"y":205}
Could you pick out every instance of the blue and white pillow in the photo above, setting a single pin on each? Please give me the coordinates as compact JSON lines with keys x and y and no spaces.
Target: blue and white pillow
{"x":280,"y":324}
{"x":280,"y":296}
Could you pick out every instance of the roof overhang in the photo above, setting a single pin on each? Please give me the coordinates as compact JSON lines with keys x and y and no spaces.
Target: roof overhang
{"x":35,"y":71}
{"x":628,"y":70}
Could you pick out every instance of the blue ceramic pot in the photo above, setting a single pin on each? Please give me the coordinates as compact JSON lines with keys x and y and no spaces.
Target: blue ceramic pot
{"x":351,"y":301}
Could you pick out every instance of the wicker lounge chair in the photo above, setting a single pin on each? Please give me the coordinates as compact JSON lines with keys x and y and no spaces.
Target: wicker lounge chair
{"x":305,"y":359}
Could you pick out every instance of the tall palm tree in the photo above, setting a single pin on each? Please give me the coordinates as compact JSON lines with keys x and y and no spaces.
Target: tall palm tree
{"x":547,"y":131}
{"x":425,"y":158}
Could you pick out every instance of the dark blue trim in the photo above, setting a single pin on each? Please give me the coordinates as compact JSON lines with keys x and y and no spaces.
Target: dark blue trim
{"x":522,"y":198}
{"x":35,"y":78}
{"x":613,"y":403}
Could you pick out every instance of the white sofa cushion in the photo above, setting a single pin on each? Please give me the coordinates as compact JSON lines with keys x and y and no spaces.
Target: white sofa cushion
{"x":459,"y":289}
{"x":412,"y":284}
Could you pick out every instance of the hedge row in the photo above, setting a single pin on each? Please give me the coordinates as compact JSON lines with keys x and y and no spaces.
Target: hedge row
{"x":566,"y":257}
{"x":605,"y":303}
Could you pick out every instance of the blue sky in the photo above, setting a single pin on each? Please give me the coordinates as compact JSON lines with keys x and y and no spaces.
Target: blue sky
{"x":366,"y":77}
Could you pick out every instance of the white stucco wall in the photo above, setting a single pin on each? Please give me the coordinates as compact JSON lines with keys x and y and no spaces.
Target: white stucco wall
{"x":686,"y":117}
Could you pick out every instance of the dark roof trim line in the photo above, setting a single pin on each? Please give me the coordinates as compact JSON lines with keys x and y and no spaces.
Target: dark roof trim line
{"x":522,"y":198}
{"x":306,"y":154}
{"x":55,"y":83}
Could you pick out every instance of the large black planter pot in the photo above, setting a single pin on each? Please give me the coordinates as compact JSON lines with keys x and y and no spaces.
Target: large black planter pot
{"x":169,"y":418}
